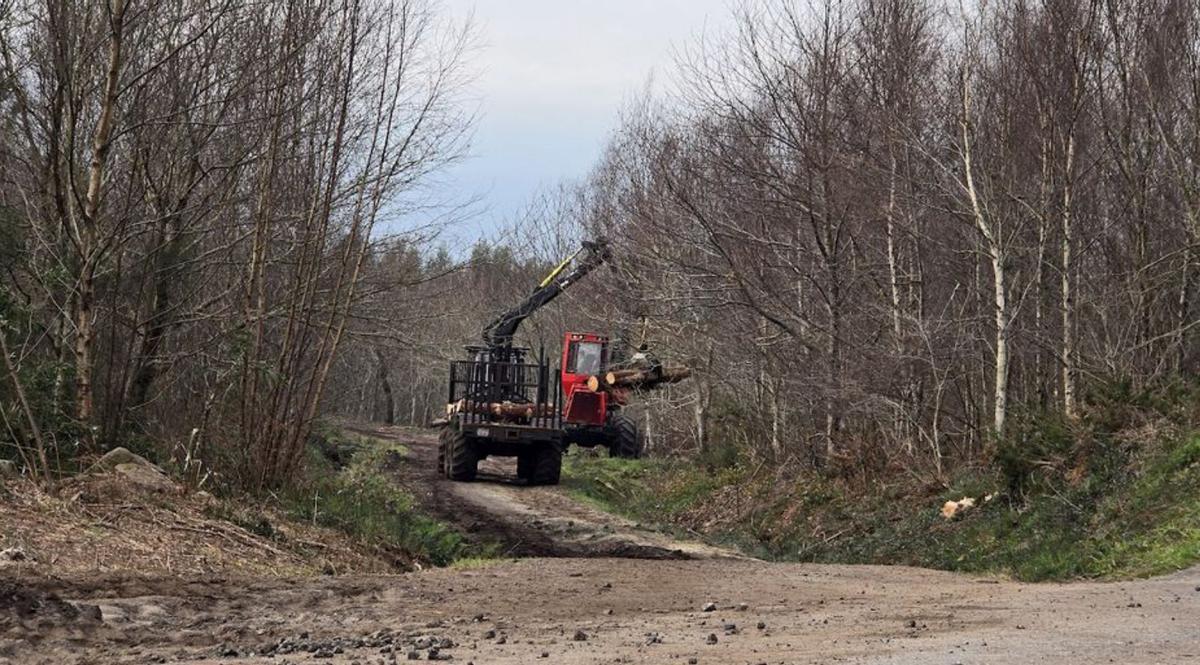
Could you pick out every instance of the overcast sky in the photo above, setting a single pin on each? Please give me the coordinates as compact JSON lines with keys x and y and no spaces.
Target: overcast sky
{"x":552,"y":75}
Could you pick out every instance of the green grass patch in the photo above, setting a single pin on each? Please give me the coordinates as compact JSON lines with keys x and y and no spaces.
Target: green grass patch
{"x":1066,"y":504}
{"x":346,"y":487}
{"x":643,"y":489}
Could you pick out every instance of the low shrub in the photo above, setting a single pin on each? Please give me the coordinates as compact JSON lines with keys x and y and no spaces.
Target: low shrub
{"x":1113,"y":494}
{"x":360,"y":499}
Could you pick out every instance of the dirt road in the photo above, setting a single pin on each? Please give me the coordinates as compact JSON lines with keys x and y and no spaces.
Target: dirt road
{"x":591,"y":609}
{"x":527,"y":521}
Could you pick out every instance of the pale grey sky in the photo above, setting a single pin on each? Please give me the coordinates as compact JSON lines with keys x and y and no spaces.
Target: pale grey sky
{"x":552,"y":76}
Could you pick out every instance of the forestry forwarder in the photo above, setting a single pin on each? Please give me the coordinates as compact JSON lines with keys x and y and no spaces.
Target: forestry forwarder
{"x":504,"y":402}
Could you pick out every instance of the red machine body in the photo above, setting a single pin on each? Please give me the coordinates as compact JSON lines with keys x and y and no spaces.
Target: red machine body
{"x":500,"y":403}
{"x":584,"y":355}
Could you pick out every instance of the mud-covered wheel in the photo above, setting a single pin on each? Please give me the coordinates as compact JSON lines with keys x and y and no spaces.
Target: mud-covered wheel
{"x":624,"y":439}
{"x":546,"y":466}
{"x":462,"y":462}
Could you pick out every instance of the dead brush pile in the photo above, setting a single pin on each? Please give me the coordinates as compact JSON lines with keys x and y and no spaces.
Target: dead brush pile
{"x":129,"y":516}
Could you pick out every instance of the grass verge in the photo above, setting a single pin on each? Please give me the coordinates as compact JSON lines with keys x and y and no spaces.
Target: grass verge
{"x":1106,"y":500}
{"x":347,"y":487}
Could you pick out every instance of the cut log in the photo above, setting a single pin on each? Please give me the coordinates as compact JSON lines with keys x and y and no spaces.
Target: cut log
{"x":510,"y":410}
{"x":952,"y":509}
{"x":645,"y":379}
{"x":504,"y":410}
{"x":617,"y":375}
{"x":464,"y":406}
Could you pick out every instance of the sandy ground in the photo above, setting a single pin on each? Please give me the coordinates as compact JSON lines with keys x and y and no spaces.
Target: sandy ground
{"x":586,"y":606}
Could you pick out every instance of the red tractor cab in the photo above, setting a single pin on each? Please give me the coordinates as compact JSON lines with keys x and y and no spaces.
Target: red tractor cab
{"x":593,"y":417}
{"x":584,"y":355}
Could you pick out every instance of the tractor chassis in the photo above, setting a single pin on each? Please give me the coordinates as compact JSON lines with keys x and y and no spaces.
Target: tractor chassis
{"x":462,"y":445}
{"x":506,"y":439}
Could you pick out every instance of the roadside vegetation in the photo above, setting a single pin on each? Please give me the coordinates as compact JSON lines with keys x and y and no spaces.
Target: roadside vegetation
{"x":345,"y":513}
{"x":1116,"y":495}
{"x":346,"y":485}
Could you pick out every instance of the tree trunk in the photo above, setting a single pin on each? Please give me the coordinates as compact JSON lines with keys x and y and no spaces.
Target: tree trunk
{"x":776,"y":418}
{"x":1000,"y":410}
{"x":700,"y":416}
{"x":85,"y":336}
{"x":1040,"y":288}
{"x":1183,"y":310}
{"x":900,"y":419}
{"x":389,"y":401}
{"x":1068,"y":303}
{"x":87,"y":233}
{"x":995,"y":253}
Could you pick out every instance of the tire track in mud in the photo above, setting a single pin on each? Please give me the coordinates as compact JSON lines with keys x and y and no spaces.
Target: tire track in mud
{"x":525,"y":521}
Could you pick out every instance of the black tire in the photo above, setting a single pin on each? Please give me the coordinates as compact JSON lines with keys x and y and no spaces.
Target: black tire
{"x":443,"y":435}
{"x":462,"y":462}
{"x":526,"y":464}
{"x":624,"y":439}
{"x":546,"y":466}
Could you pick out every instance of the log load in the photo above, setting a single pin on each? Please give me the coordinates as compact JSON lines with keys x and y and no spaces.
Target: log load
{"x":638,"y":379}
{"x":504,"y":410}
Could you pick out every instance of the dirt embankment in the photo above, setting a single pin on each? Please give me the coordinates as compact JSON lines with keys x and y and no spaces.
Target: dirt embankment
{"x":673,"y":603}
{"x":135,"y":518}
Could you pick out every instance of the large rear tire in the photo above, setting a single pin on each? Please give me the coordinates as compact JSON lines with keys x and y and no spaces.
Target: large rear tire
{"x":624,"y":439}
{"x":443,"y":435}
{"x":526,"y":463}
{"x":546,"y":466}
{"x":462,"y":462}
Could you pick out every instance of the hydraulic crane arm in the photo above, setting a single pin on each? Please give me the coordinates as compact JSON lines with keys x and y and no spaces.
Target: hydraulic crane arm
{"x":499,"y":333}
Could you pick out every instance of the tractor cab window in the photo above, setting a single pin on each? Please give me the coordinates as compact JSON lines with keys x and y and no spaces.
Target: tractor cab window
{"x":584,"y":358}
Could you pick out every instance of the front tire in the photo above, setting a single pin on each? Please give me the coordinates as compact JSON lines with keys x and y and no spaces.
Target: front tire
{"x":624,"y":439}
{"x":461,"y":460}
